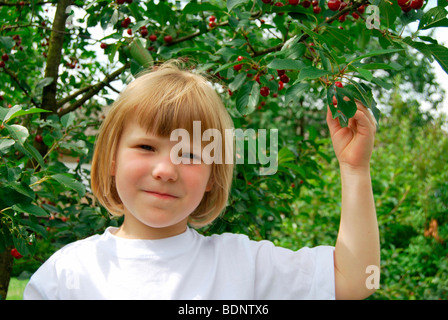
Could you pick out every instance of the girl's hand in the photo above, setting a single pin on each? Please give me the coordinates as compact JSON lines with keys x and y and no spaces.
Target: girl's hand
{"x":353,"y":144}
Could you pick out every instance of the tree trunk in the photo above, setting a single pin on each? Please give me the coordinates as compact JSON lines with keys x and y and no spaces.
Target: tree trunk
{"x":6,"y":261}
{"x":58,"y":33}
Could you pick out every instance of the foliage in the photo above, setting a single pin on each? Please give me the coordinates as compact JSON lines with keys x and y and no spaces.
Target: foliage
{"x":53,"y":91}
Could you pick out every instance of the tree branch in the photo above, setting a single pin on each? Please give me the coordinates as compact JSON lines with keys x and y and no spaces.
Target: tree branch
{"x":93,"y":90}
{"x":17,"y":4}
{"x":63,"y":101}
{"x":198,"y":33}
{"x":16,"y":80}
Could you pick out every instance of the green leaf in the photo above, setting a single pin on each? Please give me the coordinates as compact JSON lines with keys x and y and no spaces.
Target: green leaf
{"x":24,"y":112}
{"x":68,"y":119}
{"x":435,"y":17}
{"x":10,"y":112}
{"x":140,"y":53}
{"x":233,"y":3}
{"x":19,"y":133}
{"x":366,"y":74}
{"x":363,"y":93}
{"x":388,"y":13}
{"x":247,"y":97}
{"x":343,"y":121}
{"x":349,"y":107}
{"x":376,"y":66}
{"x":70,"y":183}
{"x":44,"y":82}
{"x":239,"y":80}
{"x":431,"y":50}
{"x":420,"y":46}
{"x":377,"y":53}
{"x":33,"y":153}
{"x":312,"y":73}
{"x":286,"y":64}
{"x":5,"y":145}
{"x":7,"y":42}
{"x":30,"y":209}
{"x":285,"y":155}
{"x":440,"y":53}
{"x":296,"y":91}
{"x":22,"y":188}
{"x":193,"y":8}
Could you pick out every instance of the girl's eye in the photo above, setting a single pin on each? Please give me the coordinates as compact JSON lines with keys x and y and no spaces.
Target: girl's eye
{"x":190,"y":156}
{"x":146,"y":147}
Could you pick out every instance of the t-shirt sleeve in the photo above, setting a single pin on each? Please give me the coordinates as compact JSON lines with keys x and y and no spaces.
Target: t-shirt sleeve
{"x":286,"y":274}
{"x":43,"y":284}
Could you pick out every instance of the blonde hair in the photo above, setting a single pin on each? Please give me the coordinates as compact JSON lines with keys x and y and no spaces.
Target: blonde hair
{"x":162,"y":100}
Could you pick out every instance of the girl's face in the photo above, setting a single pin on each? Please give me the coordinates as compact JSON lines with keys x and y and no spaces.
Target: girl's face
{"x":158,"y":196}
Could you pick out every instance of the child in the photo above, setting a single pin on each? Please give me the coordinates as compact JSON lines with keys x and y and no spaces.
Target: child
{"x":154,"y":254}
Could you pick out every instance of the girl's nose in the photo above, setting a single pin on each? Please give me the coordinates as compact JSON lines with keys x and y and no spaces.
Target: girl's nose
{"x":165,"y":170}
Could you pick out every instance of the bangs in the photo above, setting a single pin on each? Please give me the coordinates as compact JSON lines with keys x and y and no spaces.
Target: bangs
{"x":174,"y":102}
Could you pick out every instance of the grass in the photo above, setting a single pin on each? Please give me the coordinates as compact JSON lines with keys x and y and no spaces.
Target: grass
{"x":16,"y":288}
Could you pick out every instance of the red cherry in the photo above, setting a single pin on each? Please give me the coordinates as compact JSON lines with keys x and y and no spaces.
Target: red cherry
{"x":153,"y":37}
{"x":407,"y":8}
{"x":240,"y":58}
{"x":338,"y":84}
{"x":2,"y":64}
{"x":293,"y":2}
{"x":306,"y":3}
{"x":315,"y":3}
{"x":334,"y":5}
{"x":237,"y":67}
{"x":5,"y":57}
{"x":280,"y":85}
{"x":280,"y":72}
{"x":212,"y":19}
{"x":361,"y":9}
{"x":103,"y":45}
{"x":120,"y":1}
{"x":168,"y":39}
{"x":144,"y":32}
{"x":130,"y":32}
{"x":317,"y":10}
{"x":279,"y":4}
{"x":403,"y":3}
{"x":16,"y":254}
{"x":38,"y":139}
{"x":211,"y":25}
{"x":264,"y":91}
{"x":267,"y":1}
{"x":343,"y":17}
{"x":355,"y":15}
{"x":416,"y":4}
{"x":284,"y":78}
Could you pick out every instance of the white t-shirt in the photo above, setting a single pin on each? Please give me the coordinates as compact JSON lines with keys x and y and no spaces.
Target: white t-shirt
{"x":186,"y":266}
